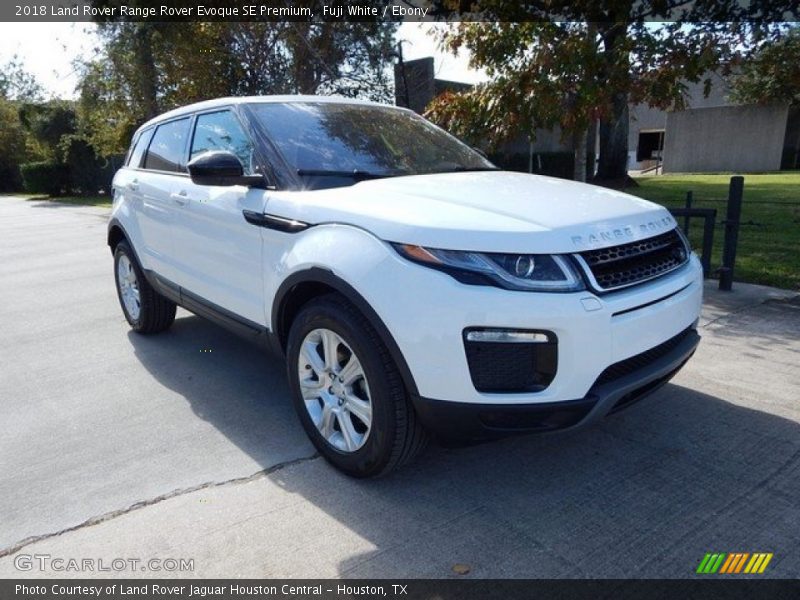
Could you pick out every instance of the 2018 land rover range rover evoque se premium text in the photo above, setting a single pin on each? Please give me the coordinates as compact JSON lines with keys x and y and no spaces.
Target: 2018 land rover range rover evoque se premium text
{"x":413,"y":287}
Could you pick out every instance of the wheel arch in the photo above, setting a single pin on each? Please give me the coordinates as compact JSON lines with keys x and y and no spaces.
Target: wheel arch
{"x":303,"y":286}
{"x":116,"y":234}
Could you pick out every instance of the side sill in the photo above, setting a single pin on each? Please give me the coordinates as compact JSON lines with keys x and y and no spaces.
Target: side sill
{"x":214,"y":313}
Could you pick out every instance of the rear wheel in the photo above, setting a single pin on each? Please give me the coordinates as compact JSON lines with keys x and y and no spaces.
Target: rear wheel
{"x":146,"y":310}
{"x":348,"y":392}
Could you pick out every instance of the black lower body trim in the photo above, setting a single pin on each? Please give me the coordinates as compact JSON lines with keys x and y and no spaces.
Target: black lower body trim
{"x":468,"y":421}
{"x":214,"y":313}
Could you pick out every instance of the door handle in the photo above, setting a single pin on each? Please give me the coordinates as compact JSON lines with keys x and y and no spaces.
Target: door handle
{"x":180,"y":198}
{"x":133,"y":185}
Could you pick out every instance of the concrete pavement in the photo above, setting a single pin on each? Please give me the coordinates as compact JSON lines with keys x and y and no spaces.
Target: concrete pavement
{"x":115,"y":445}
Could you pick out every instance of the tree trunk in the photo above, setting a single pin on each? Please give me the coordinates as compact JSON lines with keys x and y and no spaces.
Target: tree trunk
{"x":591,"y":150}
{"x":303,"y":59}
{"x":148,"y":84}
{"x":579,"y":149}
{"x":613,"y":159}
{"x":613,"y":163}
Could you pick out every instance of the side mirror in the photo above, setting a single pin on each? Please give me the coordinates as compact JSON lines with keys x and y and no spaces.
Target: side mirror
{"x":222,"y":168}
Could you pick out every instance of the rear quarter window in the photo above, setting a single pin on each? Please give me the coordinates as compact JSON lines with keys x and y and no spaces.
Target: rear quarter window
{"x":137,"y":150}
{"x":166,"y":151}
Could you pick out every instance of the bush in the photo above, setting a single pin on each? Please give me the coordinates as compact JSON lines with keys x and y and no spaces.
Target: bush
{"x":9,"y":178}
{"x":45,"y":177}
{"x":89,"y":173}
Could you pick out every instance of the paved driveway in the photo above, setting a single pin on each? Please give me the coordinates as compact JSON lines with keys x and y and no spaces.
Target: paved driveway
{"x":114,"y":445}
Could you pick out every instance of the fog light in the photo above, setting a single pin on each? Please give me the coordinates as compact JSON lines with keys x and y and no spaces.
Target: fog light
{"x":507,"y":336}
{"x":511,"y":361}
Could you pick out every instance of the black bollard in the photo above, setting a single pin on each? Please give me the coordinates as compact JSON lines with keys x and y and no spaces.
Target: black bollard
{"x":731,"y":233}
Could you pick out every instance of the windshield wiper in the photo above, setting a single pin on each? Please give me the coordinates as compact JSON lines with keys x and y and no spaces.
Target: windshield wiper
{"x":354,"y":174}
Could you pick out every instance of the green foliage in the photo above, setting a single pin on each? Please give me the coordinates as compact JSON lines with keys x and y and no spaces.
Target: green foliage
{"x":16,"y":146}
{"x":17,"y":84}
{"x":12,"y":147}
{"x":48,"y":123}
{"x":45,"y":177}
{"x":70,"y":157}
{"x":772,"y":74}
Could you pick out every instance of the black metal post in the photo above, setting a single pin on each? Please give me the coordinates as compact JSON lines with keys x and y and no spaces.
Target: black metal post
{"x":732,"y":219}
{"x":687,"y":218}
{"x":708,"y":240}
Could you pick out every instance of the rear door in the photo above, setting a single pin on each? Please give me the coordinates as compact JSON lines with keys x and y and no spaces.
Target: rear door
{"x":163,"y":172}
{"x":127,"y":189}
{"x":218,"y":253}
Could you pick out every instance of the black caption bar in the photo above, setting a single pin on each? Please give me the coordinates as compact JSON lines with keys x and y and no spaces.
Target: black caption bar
{"x":375,"y":589}
{"x":390,"y":10}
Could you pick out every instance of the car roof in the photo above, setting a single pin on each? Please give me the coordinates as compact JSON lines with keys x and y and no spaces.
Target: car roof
{"x":227,"y":101}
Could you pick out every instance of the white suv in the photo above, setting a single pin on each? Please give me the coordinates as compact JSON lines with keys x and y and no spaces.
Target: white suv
{"x":411,"y":285}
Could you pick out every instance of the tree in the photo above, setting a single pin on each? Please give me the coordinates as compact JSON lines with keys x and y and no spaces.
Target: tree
{"x":523,"y":78}
{"x":12,"y":147}
{"x":772,"y":74}
{"x":18,"y":84}
{"x":566,"y":62}
{"x":349,"y":59}
{"x":48,"y":123}
{"x":143,"y":69}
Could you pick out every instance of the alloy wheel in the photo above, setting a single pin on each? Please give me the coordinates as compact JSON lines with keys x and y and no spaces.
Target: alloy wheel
{"x":335,"y":390}
{"x":128,"y":287}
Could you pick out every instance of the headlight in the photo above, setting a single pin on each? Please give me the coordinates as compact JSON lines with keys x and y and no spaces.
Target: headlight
{"x":529,"y":272}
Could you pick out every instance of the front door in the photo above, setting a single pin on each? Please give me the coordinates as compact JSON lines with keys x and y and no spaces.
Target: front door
{"x":218,"y":253}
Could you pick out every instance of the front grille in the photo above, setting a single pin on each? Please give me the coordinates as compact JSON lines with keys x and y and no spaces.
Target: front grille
{"x":511,"y":368}
{"x":628,"y":264}
{"x":640,"y":361}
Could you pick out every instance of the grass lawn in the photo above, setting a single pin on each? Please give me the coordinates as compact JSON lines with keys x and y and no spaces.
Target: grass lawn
{"x":769,"y":236}
{"x":104,"y":201}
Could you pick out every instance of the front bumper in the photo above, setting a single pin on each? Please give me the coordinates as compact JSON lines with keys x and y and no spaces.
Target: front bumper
{"x":642,"y":375}
{"x":428,"y":312}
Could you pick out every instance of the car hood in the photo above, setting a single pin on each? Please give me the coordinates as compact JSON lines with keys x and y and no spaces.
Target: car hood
{"x":489,"y":211}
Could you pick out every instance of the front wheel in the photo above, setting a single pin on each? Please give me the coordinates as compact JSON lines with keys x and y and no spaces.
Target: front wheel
{"x":348,"y":392}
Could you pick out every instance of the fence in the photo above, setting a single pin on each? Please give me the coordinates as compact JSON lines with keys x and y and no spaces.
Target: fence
{"x":731,"y":234}
{"x":761,"y":226}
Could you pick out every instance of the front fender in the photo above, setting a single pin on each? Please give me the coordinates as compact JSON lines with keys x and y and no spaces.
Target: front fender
{"x":343,"y":258}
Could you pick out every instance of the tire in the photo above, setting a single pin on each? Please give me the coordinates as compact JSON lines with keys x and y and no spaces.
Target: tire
{"x":152,"y":313}
{"x":333,"y":413}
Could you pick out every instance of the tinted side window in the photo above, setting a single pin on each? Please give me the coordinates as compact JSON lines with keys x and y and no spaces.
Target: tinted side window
{"x":135,"y":156}
{"x":222,"y":131}
{"x":166,"y":150}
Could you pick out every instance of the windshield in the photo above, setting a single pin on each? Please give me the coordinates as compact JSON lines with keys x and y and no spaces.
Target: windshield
{"x":330,"y":145}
